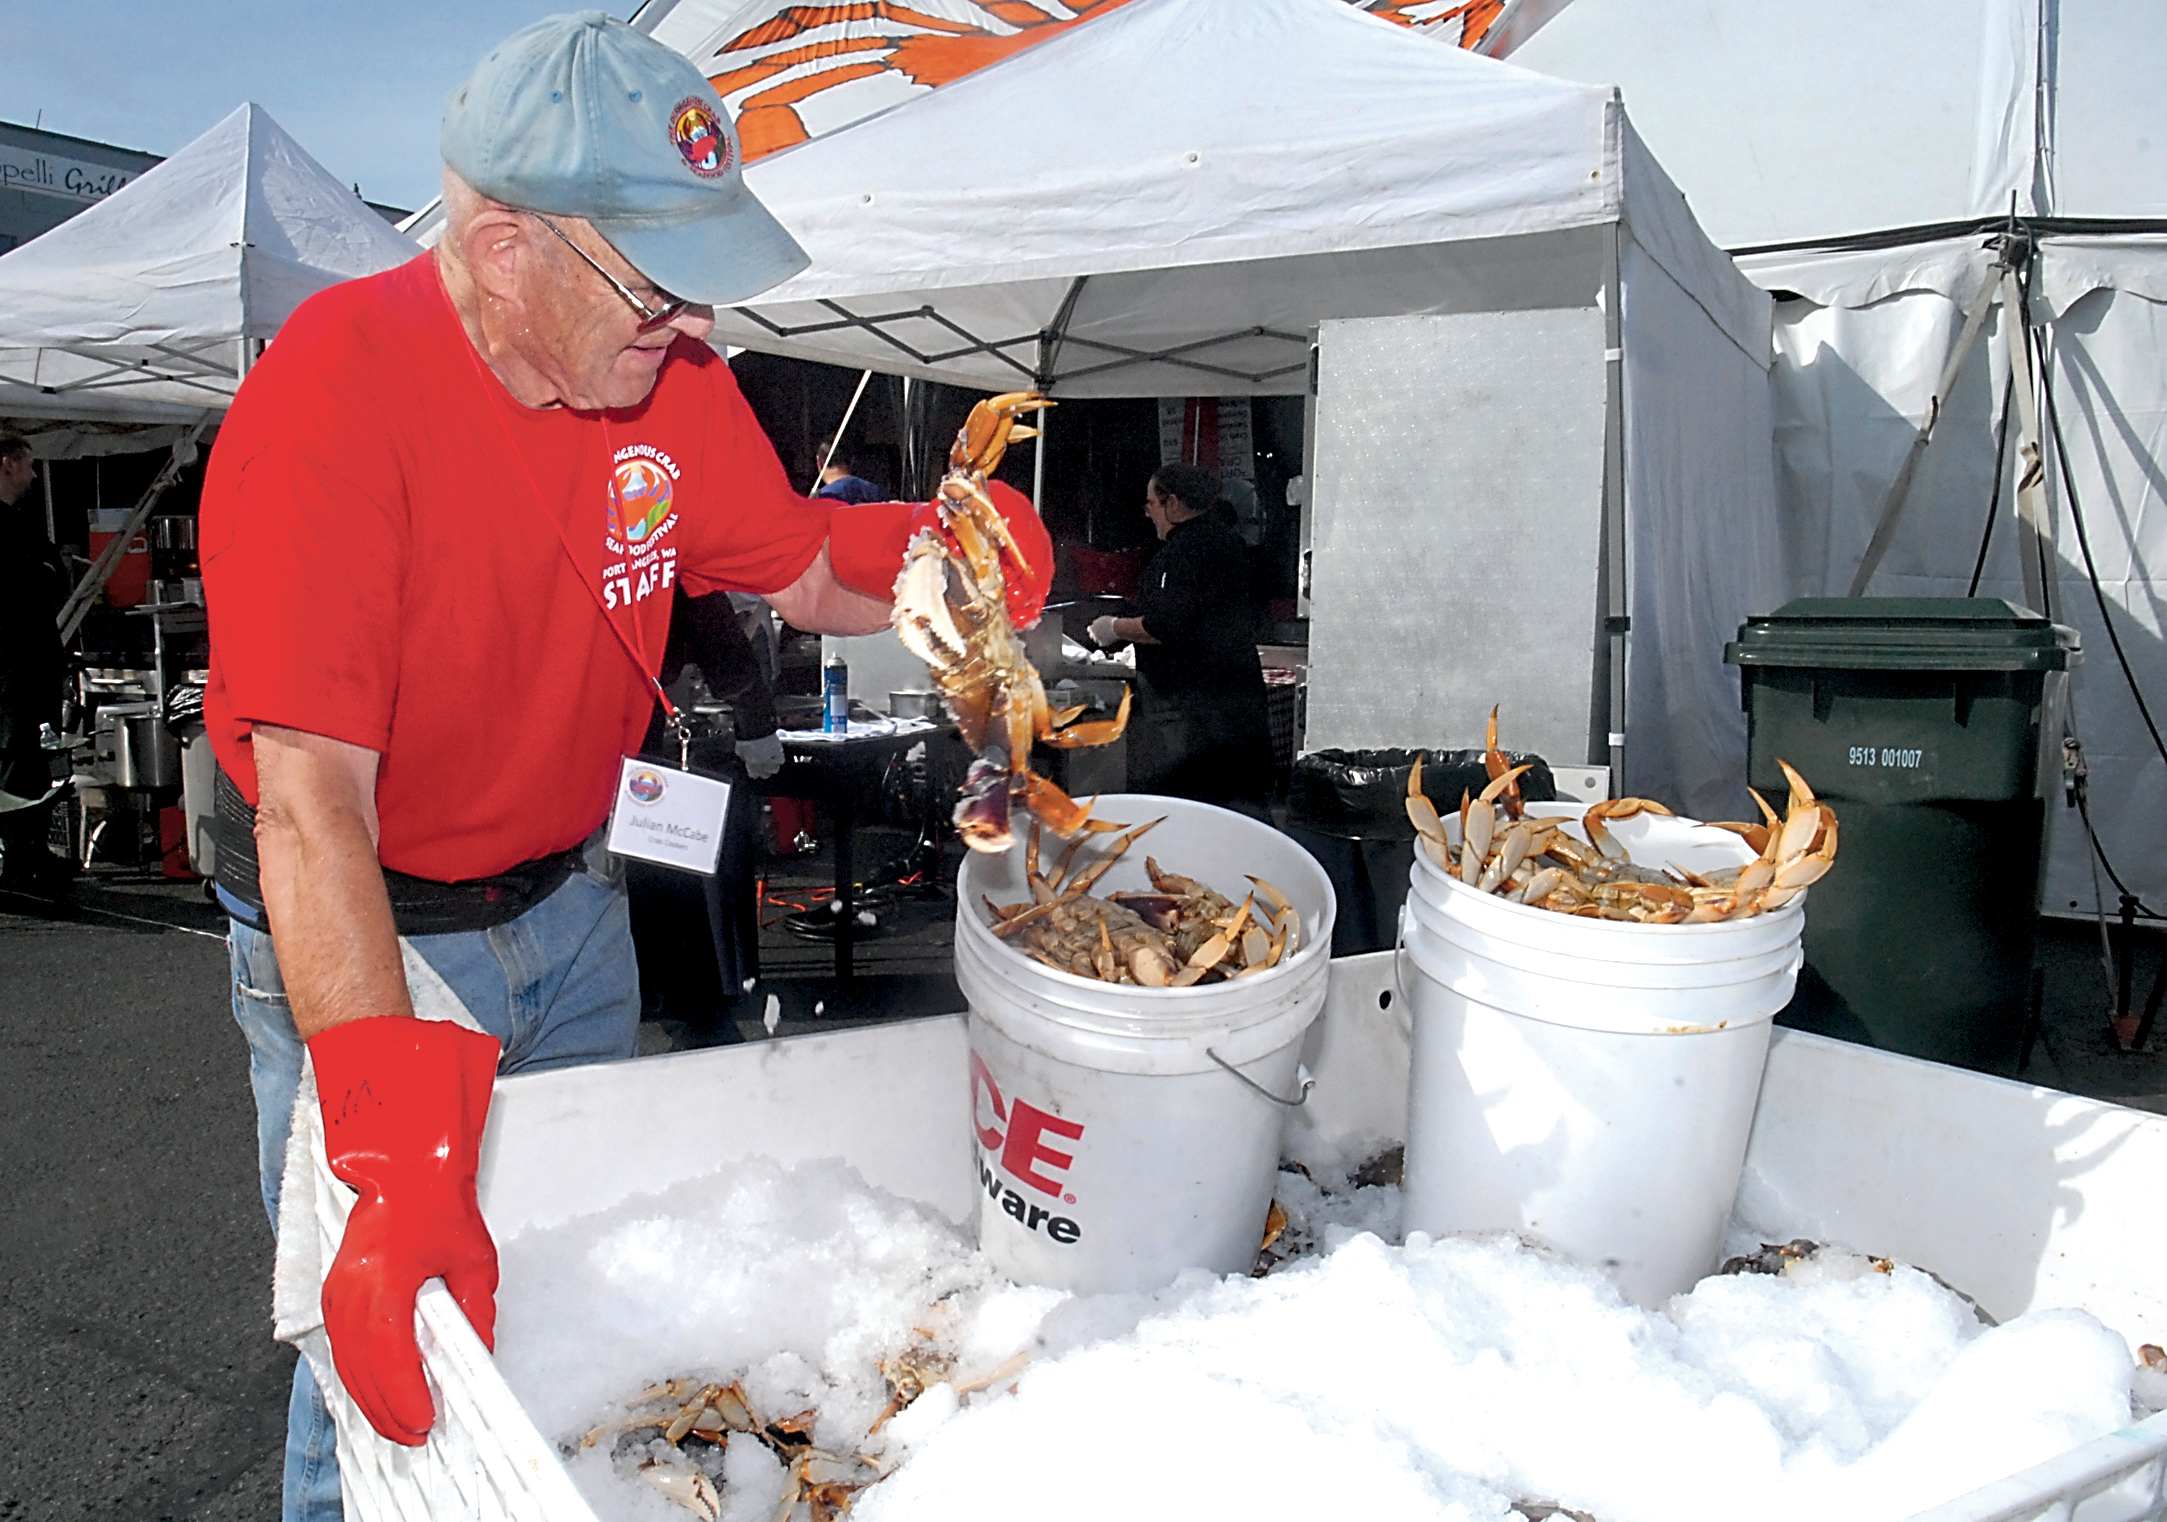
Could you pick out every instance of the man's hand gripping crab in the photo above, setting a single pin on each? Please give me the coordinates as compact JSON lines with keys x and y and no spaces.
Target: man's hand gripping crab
{"x":952,"y":610}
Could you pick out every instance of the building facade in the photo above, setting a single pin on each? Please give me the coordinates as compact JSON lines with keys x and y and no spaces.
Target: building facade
{"x":47,"y":177}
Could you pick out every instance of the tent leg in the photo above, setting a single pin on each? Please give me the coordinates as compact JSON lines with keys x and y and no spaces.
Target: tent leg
{"x":1899,"y":492}
{"x":1305,"y":518}
{"x":1038,"y":463}
{"x":835,"y":440}
{"x":94,"y":579}
{"x":2035,"y":531}
{"x":1616,"y":619}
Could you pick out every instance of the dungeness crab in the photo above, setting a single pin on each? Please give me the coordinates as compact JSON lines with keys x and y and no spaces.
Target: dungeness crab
{"x":951,"y":609}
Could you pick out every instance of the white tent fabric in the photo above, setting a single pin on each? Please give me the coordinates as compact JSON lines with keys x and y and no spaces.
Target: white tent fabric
{"x":140,"y":309}
{"x":1832,"y":127}
{"x":1315,"y":131}
{"x":1274,"y":165}
{"x":1796,"y":120}
{"x":1852,"y":384}
{"x":790,"y":71}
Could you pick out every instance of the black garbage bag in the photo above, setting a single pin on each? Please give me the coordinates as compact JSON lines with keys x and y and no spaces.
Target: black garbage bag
{"x":1348,"y":808}
{"x":1333,"y":788}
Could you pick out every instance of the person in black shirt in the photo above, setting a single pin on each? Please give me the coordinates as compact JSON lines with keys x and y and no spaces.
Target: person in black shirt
{"x":32,"y":664}
{"x":1200,"y":728}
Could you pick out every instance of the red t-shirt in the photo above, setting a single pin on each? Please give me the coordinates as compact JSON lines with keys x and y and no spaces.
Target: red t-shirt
{"x":383,"y":565}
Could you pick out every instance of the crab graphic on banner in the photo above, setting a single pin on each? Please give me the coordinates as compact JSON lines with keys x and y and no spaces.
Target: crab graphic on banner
{"x":790,"y":72}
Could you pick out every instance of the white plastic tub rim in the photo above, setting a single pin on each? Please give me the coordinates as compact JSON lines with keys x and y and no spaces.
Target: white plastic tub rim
{"x":1547,"y":995}
{"x":452,"y":1481}
{"x":1118,"y":1028}
{"x":1607,"y":975}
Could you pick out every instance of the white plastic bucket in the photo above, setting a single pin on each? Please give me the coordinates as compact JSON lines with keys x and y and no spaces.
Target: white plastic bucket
{"x":1112,"y":1146}
{"x":1589,"y":1084}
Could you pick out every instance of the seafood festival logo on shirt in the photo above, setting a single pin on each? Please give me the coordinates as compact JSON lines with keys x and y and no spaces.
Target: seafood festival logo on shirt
{"x":642,"y":493}
{"x":700,"y":139}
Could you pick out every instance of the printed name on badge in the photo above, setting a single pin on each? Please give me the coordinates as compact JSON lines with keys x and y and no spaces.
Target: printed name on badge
{"x":668,"y":817}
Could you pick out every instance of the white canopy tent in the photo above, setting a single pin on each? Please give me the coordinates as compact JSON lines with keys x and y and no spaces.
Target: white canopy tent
{"x":147,"y":308}
{"x":1180,"y":195}
{"x":789,"y":71}
{"x":1858,"y":156}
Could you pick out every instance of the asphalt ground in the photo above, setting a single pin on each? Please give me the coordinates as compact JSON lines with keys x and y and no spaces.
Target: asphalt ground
{"x":139,"y":1378}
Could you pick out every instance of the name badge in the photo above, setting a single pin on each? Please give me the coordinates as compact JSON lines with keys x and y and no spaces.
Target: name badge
{"x":666,"y":816}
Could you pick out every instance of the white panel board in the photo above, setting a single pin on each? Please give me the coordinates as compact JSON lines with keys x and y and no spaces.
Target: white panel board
{"x":1455,"y":530}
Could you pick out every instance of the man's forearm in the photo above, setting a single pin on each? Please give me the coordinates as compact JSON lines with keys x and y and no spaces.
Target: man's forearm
{"x":323,"y":891}
{"x":820,"y":604}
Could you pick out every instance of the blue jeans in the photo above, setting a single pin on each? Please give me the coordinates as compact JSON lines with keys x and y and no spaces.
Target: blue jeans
{"x":558,"y":986}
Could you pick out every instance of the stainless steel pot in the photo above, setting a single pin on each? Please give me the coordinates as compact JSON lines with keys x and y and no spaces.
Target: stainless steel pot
{"x":915,"y":705}
{"x":133,"y":747}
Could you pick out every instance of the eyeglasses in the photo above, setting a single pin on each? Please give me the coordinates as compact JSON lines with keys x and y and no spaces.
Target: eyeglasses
{"x":650,"y":317}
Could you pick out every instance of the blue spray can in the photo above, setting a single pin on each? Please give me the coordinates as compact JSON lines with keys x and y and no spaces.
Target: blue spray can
{"x":835,"y":696}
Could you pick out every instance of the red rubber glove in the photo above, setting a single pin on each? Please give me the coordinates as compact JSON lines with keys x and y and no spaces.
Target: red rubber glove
{"x":866,"y":545}
{"x":403,"y":1103}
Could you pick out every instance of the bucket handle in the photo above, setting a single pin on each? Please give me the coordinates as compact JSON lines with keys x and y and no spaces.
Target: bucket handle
{"x":1308,"y":1083}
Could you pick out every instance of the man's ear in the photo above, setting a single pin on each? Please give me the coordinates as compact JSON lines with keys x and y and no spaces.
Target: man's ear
{"x":496,"y":242}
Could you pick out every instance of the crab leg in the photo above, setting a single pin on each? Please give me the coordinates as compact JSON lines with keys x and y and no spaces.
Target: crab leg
{"x":1060,"y":868}
{"x":1091,"y":874}
{"x":1097,"y":732}
{"x":1421,"y":813}
{"x":1063,"y":814}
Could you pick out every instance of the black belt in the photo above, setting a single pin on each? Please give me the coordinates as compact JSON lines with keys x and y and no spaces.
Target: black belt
{"x":419,"y":905}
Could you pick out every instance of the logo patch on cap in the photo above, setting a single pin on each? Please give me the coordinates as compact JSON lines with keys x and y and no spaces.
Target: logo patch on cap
{"x":700,"y":138}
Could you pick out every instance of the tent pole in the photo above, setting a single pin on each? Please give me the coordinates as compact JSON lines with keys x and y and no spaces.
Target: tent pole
{"x":101,"y":570}
{"x":52,"y":532}
{"x":2035,"y":535}
{"x":1038,"y":464}
{"x":1049,"y":353}
{"x":1616,"y":619}
{"x":1899,"y":492}
{"x":836,"y":441}
{"x":1305,"y":519}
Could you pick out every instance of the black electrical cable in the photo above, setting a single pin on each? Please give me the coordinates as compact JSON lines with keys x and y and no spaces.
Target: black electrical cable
{"x":2091,"y":567}
{"x":1993,"y":502}
{"x":2084,"y":812}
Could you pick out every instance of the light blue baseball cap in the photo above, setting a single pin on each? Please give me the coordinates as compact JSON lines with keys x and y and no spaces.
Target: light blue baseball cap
{"x":581,"y":116}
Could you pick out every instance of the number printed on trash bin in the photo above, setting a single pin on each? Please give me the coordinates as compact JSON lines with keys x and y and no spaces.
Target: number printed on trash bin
{"x":1887,"y":755}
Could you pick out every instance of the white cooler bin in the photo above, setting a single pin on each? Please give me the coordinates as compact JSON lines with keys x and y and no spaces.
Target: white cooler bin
{"x":2021,"y":1197}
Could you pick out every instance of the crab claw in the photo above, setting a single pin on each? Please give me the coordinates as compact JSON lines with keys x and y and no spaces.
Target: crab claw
{"x":981,"y":815}
{"x":1063,"y":814}
{"x":985,"y":434}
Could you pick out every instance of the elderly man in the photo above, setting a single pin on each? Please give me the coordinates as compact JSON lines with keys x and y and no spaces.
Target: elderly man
{"x":441,"y":531}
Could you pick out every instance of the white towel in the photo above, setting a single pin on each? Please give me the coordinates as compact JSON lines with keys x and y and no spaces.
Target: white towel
{"x":313,"y":1204}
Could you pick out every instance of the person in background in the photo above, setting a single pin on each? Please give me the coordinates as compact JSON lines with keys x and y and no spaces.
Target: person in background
{"x":32,"y":665}
{"x":1200,"y":728}
{"x":698,"y":935}
{"x":838,"y":482}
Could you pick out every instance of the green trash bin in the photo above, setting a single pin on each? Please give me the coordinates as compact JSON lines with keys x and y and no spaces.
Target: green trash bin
{"x":1934,"y":726}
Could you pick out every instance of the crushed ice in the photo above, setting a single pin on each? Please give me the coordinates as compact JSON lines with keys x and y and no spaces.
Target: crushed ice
{"x":1445,"y":1378}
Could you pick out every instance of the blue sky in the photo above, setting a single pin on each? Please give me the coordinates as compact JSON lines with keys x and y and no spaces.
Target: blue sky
{"x":362,"y":86}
